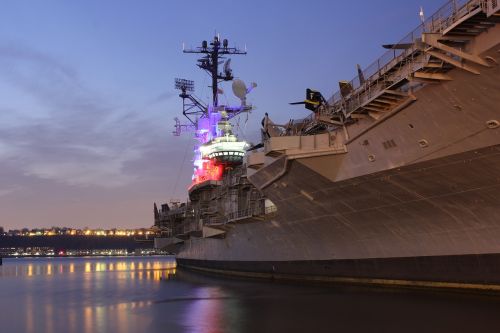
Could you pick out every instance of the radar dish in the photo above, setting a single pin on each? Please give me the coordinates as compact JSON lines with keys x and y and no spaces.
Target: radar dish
{"x":252,"y":85}
{"x":239,"y":89}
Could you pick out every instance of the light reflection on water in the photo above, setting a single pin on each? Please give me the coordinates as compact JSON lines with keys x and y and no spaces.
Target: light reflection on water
{"x":79,"y":294}
{"x":206,"y":312}
{"x":155,"y":269}
{"x":149,"y":294}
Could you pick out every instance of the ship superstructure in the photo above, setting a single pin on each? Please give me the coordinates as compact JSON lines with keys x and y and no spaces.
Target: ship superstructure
{"x":218,"y":147}
{"x":219,"y":192}
{"x":394,"y":179}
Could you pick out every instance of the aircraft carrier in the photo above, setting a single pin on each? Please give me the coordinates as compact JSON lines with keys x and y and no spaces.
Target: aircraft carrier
{"x":395,"y":179}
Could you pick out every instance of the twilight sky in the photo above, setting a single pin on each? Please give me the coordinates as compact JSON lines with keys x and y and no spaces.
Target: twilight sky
{"x":87,"y":100}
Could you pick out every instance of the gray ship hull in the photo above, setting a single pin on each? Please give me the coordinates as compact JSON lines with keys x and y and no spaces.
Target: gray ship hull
{"x":406,"y":191}
{"x":475,"y":271}
{"x":432,"y":221}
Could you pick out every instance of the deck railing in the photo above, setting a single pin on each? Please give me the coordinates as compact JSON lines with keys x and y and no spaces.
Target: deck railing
{"x":240,"y":214}
{"x":443,"y":18}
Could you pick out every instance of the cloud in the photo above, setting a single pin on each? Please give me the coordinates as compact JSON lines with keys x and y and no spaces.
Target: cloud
{"x":163,"y":97}
{"x":5,"y":151}
{"x":82,"y":140}
{"x":19,"y":53}
{"x":102,"y":174}
{"x":8,"y":190}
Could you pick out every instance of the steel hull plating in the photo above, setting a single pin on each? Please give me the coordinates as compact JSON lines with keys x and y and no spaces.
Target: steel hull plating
{"x":461,"y":271}
{"x":402,"y":185}
{"x":432,"y":221}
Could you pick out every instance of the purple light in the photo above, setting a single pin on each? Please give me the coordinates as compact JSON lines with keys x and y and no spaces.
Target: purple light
{"x":207,"y":131}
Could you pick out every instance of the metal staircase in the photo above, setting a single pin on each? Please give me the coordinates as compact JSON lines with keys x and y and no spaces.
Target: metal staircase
{"x":425,"y":55}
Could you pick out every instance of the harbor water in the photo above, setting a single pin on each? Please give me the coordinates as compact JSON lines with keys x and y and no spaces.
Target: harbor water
{"x":149,"y":294}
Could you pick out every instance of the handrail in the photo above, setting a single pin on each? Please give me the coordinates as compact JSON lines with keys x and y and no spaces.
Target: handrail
{"x":240,"y":214}
{"x":444,"y":17}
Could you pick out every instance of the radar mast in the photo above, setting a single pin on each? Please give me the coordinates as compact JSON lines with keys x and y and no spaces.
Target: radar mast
{"x":218,"y":147}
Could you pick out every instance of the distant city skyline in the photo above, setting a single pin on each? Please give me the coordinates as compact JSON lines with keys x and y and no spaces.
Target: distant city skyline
{"x":57,"y":231}
{"x":87,"y":99}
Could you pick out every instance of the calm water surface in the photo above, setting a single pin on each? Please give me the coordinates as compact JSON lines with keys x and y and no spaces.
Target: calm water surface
{"x":150,"y":295}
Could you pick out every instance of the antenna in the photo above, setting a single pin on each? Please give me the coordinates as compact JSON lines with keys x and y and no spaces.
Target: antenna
{"x":421,"y":14}
{"x":184,"y":85}
{"x":192,"y":107}
{"x":227,"y":69}
{"x":179,"y":128}
{"x":361,"y":76}
{"x":213,"y":52}
{"x":210,"y":121}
